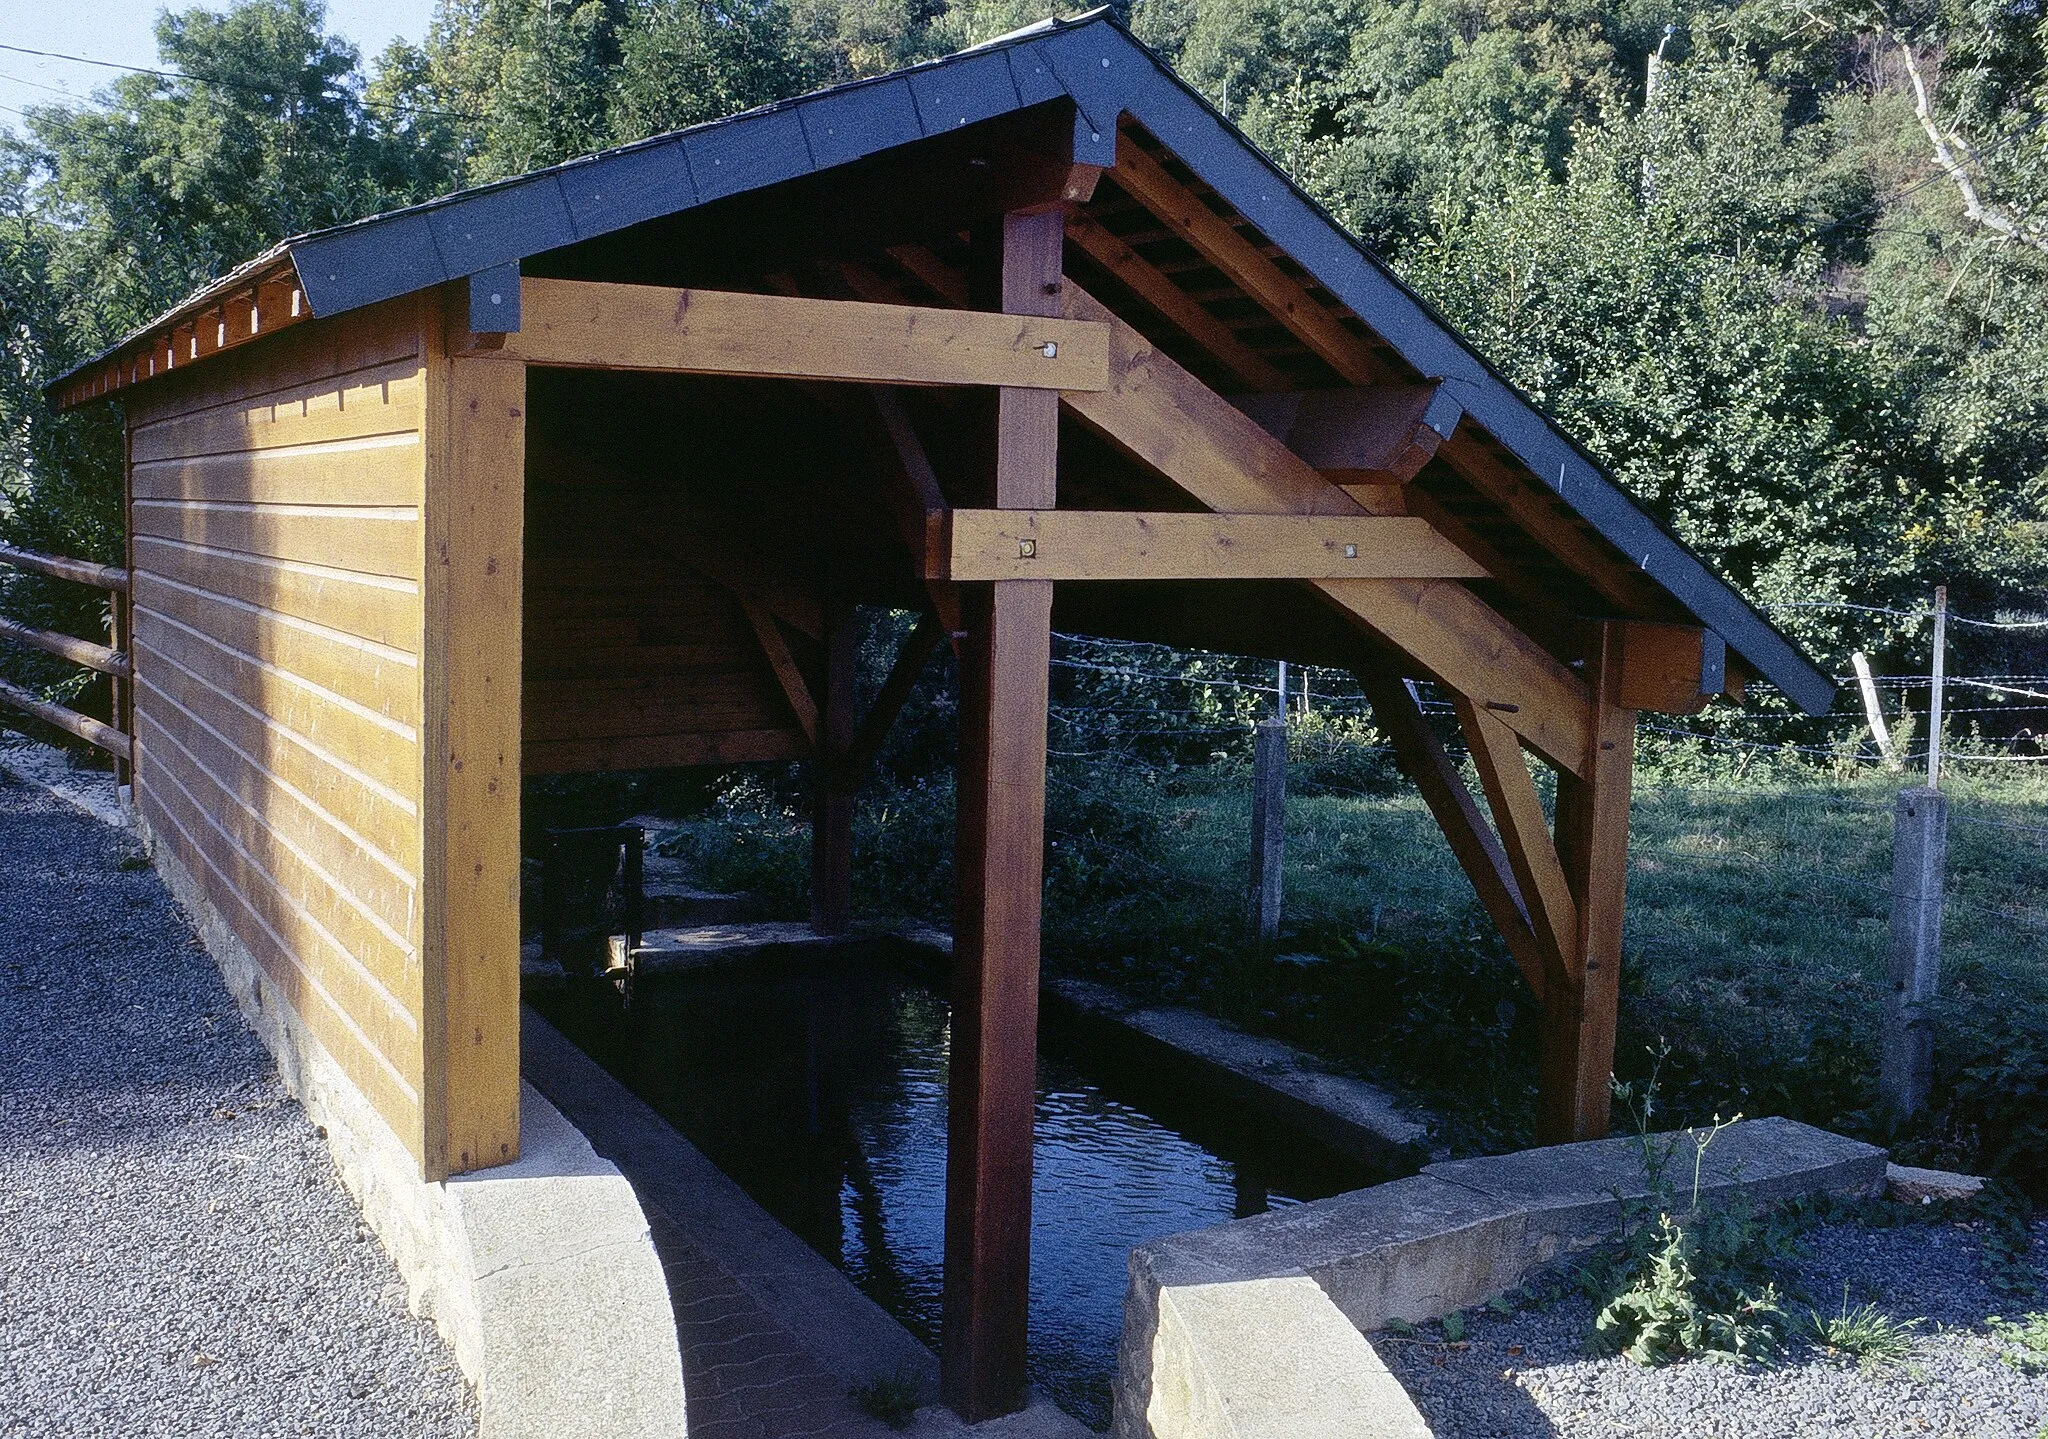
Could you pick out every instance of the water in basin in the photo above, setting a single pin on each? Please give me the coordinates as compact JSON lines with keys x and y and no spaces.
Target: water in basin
{"x":820,"y":1086}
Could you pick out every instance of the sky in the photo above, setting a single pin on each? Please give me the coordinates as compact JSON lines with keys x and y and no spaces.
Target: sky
{"x":123,"y":31}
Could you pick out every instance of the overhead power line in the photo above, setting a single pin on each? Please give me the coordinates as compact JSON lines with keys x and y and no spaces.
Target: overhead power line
{"x":229,"y":82}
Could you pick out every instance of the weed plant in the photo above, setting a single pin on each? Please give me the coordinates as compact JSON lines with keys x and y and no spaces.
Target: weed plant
{"x":1866,"y":1333}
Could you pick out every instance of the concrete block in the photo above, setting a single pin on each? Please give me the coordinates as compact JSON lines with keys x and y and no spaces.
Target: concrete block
{"x":1270,"y":1359}
{"x":1575,"y":1191}
{"x":574,"y":1326}
{"x":1930,"y":1186}
{"x":1451,"y":1237}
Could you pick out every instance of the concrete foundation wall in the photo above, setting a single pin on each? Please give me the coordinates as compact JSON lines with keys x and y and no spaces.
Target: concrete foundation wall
{"x":541,"y":1274}
{"x":1256,"y":1329}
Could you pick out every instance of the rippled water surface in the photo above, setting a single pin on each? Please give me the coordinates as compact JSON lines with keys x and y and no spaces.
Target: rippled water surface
{"x":822,"y":1091}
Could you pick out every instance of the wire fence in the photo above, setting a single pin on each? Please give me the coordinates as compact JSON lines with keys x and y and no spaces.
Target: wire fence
{"x":1126,"y":695}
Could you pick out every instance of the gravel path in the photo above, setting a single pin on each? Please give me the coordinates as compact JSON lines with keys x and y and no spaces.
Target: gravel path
{"x":177,"y":1254}
{"x":1528,"y":1375}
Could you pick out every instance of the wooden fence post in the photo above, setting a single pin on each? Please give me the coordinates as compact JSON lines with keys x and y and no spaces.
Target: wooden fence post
{"x":1919,"y":855}
{"x":1269,"y":823}
{"x":1873,"y":711}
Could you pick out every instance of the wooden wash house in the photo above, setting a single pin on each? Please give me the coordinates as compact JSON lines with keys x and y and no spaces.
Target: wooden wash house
{"x":585,"y":470}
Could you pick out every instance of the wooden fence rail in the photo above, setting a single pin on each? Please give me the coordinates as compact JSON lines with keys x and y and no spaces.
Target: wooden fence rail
{"x":85,"y":572}
{"x":109,"y":660}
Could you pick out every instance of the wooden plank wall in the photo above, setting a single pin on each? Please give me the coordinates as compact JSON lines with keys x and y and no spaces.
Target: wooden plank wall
{"x":277,"y":548}
{"x":633,"y":658}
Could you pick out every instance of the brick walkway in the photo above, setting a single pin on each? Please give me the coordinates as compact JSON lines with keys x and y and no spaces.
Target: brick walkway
{"x":744,"y":1375}
{"x":773,"y":1337}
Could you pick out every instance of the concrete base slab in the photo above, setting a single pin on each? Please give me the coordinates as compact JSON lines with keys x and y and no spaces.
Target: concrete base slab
{"x":541,"y":1274}
{"x":1930,"y":1186}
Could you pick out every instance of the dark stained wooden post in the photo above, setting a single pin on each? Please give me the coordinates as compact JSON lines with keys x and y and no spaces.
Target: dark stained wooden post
{"x":1004,"y":661}
{"x":833,"y":782}
{"x":1592,"y":841}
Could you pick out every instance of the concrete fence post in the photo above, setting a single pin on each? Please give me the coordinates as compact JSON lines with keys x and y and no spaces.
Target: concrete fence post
{"x":1919,"y":855}
{"x":1269,"y":823}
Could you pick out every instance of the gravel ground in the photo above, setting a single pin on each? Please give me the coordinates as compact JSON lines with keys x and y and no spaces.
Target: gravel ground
{"x":177,"y":1254}
{"x":1528,"y":1375}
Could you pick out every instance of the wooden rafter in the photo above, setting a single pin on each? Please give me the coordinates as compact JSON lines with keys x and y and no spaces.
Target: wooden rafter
{"x":1167,"y":418}
{"x":1546,"y":519}
{"x":262,"y":305}
{"x":1145,"y":180}
{"x":1159,"y":291}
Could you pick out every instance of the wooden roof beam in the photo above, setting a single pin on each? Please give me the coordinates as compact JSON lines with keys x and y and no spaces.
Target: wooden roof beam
{"x":582,"y":324}
{"x":1165,"y":417}
{"x":1125,"y":545}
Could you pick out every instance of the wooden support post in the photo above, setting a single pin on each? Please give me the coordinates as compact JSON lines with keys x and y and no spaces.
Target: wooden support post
{"x":1592,"y":839}
{"x":833,"y":786}
{"x":1919,"y":855}
{"x":474,"y":519}
{"x":1005,"y":658}
{"x":1269,"y":821}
